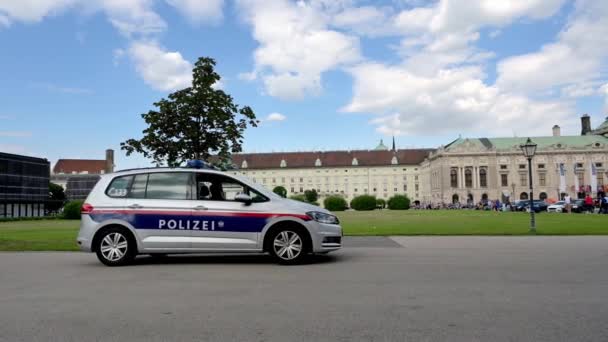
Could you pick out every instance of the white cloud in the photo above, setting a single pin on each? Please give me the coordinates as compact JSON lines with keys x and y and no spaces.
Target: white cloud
{"x":197,"y":11}
{"x":31,"y":11}
{"x":275,"y":117}
{"x":577,"y":57}
{"x":365,"y":20}
{"x":15,"y":134}
{"x":161,"y":69}
{"x":296,"y":46}
{"x":134,"y":18}
{"x":452,"y":100}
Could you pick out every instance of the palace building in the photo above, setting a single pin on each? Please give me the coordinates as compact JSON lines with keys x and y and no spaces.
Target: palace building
{"x":467,"y":170}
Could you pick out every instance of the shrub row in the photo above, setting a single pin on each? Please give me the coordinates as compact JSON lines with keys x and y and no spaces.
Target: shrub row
{"x":363,"y":203}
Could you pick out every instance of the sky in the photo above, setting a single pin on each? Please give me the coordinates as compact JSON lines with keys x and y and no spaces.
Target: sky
{"x":75,"y":75}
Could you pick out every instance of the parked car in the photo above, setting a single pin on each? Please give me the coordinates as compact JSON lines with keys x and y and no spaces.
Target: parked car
{"x":578,"y":206}
{"x":538,"y":206}
{"x":162,"y":211}
{"x":557,"y":207}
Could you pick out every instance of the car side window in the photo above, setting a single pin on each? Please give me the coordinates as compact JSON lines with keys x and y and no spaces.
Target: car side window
{"x":169,"y":185}
{"x":119,"y":187}
{"x":214,"y":187}
{"x":138,"y":187}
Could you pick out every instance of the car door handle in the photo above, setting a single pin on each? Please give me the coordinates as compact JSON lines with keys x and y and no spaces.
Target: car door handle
{"x":200,"y":207}
{"x":135,"y":206}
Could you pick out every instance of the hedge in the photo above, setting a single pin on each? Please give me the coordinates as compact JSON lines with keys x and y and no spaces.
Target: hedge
{"x":335,"y":203}
{"x":363,"y":202}
{"x":71,"y":211}
{"x":399,"y":202}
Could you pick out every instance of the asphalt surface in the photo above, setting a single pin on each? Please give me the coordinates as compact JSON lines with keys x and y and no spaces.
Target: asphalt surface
{"x":377,"y":289}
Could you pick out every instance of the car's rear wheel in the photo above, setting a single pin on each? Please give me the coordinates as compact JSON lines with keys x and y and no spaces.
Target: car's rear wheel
{"x":115,"y":247}
{"x":288,"y":246}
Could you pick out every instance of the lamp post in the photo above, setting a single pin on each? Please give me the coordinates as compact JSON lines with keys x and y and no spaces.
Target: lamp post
{"x":529,"y":149}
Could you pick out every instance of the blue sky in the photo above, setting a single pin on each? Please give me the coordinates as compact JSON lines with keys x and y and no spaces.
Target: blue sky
{"x":76,"y":75}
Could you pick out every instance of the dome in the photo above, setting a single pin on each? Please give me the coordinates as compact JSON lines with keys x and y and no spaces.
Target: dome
{"x":381,"y":146}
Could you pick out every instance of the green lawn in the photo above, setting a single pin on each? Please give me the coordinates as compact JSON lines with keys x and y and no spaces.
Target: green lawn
{"x":40,"y":235}
{"x":60,"y":235}
{"x":468,"y":222}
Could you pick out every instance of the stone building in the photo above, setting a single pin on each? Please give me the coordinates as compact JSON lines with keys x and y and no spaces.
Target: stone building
{"x":470,"y":170}
{"x":467,"y":170}
{"x":380,"y":172}
{"x":79,"y":176}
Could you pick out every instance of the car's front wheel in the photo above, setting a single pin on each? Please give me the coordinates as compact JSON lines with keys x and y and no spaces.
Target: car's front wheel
{"x":115,"y":247}
{"x":288,"y":246}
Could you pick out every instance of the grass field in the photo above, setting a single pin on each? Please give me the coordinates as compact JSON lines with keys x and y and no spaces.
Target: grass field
{"x":60,"y":235}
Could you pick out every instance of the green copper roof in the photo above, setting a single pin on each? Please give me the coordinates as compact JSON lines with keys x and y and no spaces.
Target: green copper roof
{"x":603,"y":126}
{"x":381,"y":146}
{"x":542,"y":142}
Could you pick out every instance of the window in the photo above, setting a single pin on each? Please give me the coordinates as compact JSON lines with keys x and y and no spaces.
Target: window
{"x":581,"y":179}
{"x":600,"y":179}
{"x":599,"y":165}
{"x":416,"y":187}
{"x":504,"y":180}
{"x":454,"y":178}
{"x":468,"y":178}
{"x":119,"y":186}
{"x":483,"y":178}
{"x":522,"y":166}
{"x":214,"y":187}
{"x":579,"y":165}
{"x":541,"y":166}
{"x":523,"y":179}
{"x":170,"y":185}
{"x":503,"y":167}
{"x":542,"y":179}
{"x":138,"y":188}
{"x":404,"y":188}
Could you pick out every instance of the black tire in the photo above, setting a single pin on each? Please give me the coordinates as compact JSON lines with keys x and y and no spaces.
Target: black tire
{"x":295,"y":238}
{"x":116,"y":247}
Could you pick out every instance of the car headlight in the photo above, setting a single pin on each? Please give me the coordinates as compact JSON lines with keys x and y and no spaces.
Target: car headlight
{"x":323,"y":217}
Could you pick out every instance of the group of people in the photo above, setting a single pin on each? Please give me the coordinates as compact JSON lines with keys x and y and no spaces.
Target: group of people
{"x":590,"y":205}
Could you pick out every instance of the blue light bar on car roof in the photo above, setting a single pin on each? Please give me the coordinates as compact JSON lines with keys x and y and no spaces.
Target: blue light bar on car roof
{"x":199,"y":164}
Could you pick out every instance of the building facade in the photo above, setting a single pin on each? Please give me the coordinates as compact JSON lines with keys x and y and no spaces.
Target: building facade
{"x":24,"y":185}
{"x":79,"y":176}
{"x":465,"y":171}
{"x":380,"y":172}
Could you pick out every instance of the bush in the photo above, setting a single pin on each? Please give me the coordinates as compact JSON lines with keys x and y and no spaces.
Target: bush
{"x":335,"y":203}
{"x":380,"y":203}
{"x":311,"y":196}
{"x":363,"y":202}
{"x":71,"y":211}
{"x":281,"y":191}
{"x":300,"y":198}
{"x":399,"y":202}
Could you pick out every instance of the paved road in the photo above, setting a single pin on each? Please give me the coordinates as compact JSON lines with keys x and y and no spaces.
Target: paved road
{"x":405,"y":289}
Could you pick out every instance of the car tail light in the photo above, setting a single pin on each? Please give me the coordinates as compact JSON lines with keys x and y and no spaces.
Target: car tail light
{"x":86,"y":208}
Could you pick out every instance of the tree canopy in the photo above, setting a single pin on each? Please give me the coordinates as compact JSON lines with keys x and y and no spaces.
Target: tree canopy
{"x":193,"y":123}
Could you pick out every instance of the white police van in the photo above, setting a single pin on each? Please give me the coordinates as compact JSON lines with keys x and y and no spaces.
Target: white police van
{"x":161,"y":211}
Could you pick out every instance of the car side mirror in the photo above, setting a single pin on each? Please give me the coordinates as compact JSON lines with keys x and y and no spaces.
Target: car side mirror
{"x":243,"y":198}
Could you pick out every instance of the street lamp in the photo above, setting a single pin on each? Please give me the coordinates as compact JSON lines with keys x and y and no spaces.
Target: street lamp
{"x":529,"y":149}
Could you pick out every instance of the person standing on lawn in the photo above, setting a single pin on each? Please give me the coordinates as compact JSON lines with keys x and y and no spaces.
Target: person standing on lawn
{"x":568,"y":201}
{"x":589,"y":203}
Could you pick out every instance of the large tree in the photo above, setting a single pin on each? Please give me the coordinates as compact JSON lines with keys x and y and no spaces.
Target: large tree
{"x":194,"y":123}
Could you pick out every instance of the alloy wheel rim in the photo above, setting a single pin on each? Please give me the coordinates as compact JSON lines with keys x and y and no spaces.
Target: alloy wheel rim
{"x":114,"y":246}
{"x":287,"y":245}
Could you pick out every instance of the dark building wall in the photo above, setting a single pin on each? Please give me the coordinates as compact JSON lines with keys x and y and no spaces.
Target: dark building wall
{"x":24,"y":185}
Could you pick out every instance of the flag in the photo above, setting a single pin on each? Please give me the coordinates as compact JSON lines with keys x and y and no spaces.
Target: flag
{"x":576,"y":185}
{"x":562,"y":178}
{"x":593,"y":178}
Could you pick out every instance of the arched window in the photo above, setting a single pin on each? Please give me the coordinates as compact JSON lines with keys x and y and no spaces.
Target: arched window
{"x":470,"y":199}
{"x":454,"y":178}
{"x":455,"y":199}
{"x":468,"y":178}
{"x":483,"y":178}
{"x":523,"y":196}
{"x":543,"y":196}
{"x":484,"y":198}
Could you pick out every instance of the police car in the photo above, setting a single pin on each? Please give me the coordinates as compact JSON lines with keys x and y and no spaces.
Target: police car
{"x":161,"y":211}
